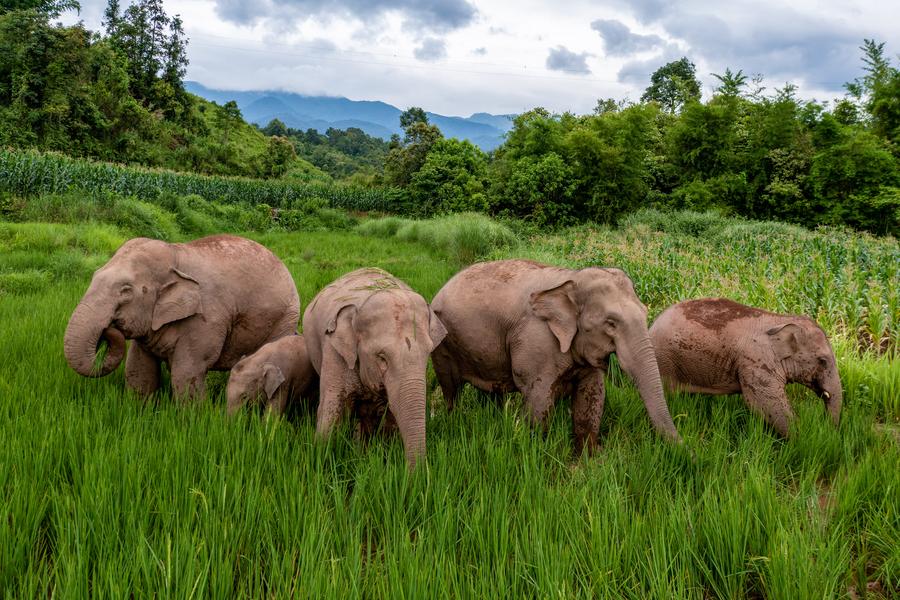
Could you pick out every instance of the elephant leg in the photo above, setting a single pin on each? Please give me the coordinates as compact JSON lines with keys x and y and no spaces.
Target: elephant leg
{"x":193,"y":357}
{"x":335,"y":391}
{"x":587,"y":410}
{"x":537,"y":390}
{"x":141,"y":370}
{"x":766,"y":396}
{"x":446,"y":370}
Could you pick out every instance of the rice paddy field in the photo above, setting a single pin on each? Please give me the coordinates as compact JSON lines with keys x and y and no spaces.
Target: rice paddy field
{"x":105,"y":494}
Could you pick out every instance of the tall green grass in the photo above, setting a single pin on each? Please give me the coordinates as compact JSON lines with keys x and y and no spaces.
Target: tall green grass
{"x":463,"y":237}
{"x":32,"y":173}
{"x":104,"y":494}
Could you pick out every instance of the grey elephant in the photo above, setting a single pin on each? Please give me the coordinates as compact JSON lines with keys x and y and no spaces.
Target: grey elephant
{"x":717,"y":346}
{"x":279,"y":373}
{"x":369,"y":336}
{"x":198,"y":306}
{"x":547,"y":332}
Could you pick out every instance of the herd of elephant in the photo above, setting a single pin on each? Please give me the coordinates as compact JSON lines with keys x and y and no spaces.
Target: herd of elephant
{"x":228,"y":303}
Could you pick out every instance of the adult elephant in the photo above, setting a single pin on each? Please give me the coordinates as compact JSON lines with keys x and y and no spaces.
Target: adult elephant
{"x":718,"y":346}
{"x":199,"y":306}
{"x":368,"y":336}
{"x":547,"y":331}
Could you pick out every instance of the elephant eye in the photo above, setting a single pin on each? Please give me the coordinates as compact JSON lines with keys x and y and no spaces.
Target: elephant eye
{"x":823,"y":362}
{"x":611,"y":323}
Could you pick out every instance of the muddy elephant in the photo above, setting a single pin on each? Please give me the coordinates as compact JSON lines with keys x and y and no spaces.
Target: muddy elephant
{"x":546,"y":332}
{"x":279,"y":373}
{"x":369,"y":337}
{"x":198,"y":306}
{"x":717,"y":346}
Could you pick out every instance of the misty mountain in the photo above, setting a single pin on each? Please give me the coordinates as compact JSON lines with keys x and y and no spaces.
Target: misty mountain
{"x":376,"y":118}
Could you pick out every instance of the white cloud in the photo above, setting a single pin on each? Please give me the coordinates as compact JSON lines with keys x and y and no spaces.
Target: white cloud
{"x":368,"y":50}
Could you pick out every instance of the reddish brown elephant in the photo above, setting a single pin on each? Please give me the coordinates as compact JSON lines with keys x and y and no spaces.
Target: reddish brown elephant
{"x":546,"y":332}
{"x":199,"y":306}
{"x":717,"y":346}
{"x":369,"y":336}
{"x":279,"y":373}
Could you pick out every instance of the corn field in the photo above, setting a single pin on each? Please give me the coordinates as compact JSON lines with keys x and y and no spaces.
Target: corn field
{"x":30,"y":173}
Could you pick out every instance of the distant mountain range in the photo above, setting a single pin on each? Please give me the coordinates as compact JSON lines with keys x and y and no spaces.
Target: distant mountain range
{"x":378,"y":119}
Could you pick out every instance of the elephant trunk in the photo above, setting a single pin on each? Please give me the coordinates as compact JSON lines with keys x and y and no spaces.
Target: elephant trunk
{"x":833,"y":395}
{"x":235,"y":395}
{"x":86,"y":328}
{"x":640,"y":363}
{"x":406,"y":400}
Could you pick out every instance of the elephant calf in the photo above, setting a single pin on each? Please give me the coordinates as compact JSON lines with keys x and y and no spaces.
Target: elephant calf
{"x":369,"y":337}
{"x":717,"y":346}
{"x":280,"y":372}
{"x":547,"y":331}
{"x":199,"y":306}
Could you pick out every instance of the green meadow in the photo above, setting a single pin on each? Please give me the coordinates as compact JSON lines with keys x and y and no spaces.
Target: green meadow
{"x":105,"y":494}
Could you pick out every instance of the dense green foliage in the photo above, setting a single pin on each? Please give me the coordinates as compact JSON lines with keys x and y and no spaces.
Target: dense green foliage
{"x":342,"y":153}
{"x":29,"y":173}
{"x":741,"y":152}
{"x":119,"y":97}
{"x":104,"y":495}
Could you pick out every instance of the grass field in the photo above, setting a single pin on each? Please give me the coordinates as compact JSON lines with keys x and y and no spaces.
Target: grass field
{"x":102,"y":494}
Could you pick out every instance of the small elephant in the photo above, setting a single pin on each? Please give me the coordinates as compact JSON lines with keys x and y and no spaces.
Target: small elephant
{"x":199,"y":306}
{"x":717,"y":346}
{"x":280,"y":371}
{"x":546,"y":332}
{"x":369,"y":336}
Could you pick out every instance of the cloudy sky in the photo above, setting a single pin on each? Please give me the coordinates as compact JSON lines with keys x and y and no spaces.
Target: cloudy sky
{"x":457,"y":57}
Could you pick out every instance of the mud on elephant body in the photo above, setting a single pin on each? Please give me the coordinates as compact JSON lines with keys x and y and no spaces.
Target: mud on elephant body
{"x":369,"y":336}
{"x":718,"y":346}
{"x":199,"y":306}
{"x":547,"y":331}
{"x":279,"y":373}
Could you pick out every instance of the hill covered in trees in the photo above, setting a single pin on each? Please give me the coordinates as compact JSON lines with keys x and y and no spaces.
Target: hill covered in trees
{"x":747,"y":150}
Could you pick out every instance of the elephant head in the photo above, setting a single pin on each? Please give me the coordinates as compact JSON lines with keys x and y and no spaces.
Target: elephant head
{"x":249,"y":381}
{"x":387,"y":339}
{"x":137,"y":292}
{"x":808,"y":359}
{"x":596,"y":313}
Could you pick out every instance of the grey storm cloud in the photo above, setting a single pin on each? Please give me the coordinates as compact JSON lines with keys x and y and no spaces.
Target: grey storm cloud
{"x":563,"y":59}
{"x":431,"y":49}
{"x":618,"y":40}
{"x":778,"y":41}
{"x":433,"y":15}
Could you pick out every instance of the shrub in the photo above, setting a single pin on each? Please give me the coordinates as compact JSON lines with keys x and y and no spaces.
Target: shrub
{"x":463,"y":237}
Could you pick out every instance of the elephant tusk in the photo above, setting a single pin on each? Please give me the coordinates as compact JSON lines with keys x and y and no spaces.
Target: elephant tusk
{"x":826,"y":395}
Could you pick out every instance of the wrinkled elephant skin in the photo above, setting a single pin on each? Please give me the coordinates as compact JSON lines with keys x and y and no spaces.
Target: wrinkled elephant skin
{"x":546,"y":332}
{"x":717,"y":346}
{"x":279,"y":373}
{"x":369,"y":337}
{"x":198,"y":306}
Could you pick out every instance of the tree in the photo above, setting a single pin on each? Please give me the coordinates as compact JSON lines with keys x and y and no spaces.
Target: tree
{"x":732,"y":83}
{"x":673,"y":85}
{"x":406,"y":158}
{"x":48,"y":8}
{"x":452,"y":179}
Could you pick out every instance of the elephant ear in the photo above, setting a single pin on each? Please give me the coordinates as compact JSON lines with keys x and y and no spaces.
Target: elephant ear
{"x":787,"y":339}
{"x":436,"y":330}
{"x":178,"y":299}
{"x":342,"y":335}
{"x":272,"y":379}
{"x":556,"y":307}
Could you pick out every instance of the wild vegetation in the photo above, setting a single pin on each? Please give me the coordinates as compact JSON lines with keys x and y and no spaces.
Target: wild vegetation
{"x":107,"y":495}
